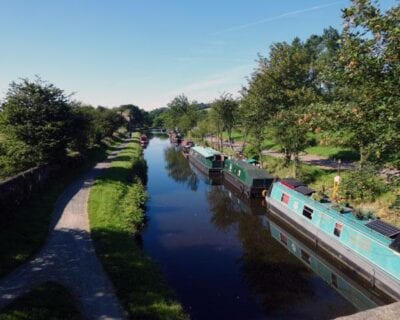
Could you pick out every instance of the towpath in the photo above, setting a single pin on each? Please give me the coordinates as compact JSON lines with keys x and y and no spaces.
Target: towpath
{"x":318,"y":161}
{"x":68,"y":257}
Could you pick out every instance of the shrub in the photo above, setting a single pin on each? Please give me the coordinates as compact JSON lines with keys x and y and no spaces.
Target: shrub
{"x":362,"y":184}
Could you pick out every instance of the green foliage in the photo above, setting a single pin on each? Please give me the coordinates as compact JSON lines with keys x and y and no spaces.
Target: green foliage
{"x":39,"y":124}
{"x":223,"y":116}
{"x":35,"y":121}
{"x":116,"y":213}
{"x":181,"y":114}
{"x":138,"y":118}
{"x":362,"y":184}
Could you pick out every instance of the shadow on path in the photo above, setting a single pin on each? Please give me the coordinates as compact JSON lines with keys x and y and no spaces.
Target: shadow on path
{"x":68,"y":257}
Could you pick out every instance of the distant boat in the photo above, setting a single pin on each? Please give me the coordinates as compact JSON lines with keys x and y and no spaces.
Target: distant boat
{"x":247,"y":178}
{"x":371,"y":247}
{"x":207,"y":160}
{"x":143,"y":140}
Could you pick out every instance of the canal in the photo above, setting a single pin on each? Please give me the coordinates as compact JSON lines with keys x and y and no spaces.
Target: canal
{"x":220,"y":255}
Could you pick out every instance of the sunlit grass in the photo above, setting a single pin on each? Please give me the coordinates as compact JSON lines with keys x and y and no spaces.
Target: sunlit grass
{"x":116,"y":211}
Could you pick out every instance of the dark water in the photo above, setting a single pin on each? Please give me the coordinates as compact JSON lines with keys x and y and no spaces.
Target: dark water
{"x":217,"y":253}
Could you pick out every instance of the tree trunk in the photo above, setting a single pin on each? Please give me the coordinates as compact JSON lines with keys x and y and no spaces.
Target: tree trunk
{"x":296,"y":165}
{"x":288,"y":157}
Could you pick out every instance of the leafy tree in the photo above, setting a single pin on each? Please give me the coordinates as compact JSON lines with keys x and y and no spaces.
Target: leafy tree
{"x":367,"y":78}
{"x":137,"y":117}
{"x":35,"y":121}
{"x":181,"y":114}
{"x":283,"y":84}
{"x":223,"y":114}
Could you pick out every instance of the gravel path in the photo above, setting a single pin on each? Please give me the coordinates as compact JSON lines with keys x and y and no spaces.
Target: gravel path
{"x":68,"y":257}
{"x":319,"y":161}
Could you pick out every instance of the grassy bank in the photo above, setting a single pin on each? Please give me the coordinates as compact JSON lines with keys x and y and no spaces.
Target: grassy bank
{"x":50,"y":301}
{"x":116,"y":211}
{"x":25,"y":231}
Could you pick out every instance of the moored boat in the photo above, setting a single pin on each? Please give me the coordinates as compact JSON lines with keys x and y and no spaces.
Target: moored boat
{"x":186,"y":145}
{"x":143,"y":140}
{"x":370,"y":247}
{"x":340,"y":278}
{"x":247,"y":178}
{"x":208,"y":160}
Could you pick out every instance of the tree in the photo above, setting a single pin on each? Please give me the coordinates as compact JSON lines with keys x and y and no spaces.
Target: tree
{"x":283,"y":84}
{"x":137,"y":117}
{"x":181,"y":114}
{"x":35,"y":121}
{"x":223,"y":114}
{"x":367,"y":78}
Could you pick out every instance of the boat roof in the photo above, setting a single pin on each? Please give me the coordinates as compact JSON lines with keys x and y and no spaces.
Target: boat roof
{"x":206,"y":152}
{"x":252,"y":171}
{"x":365,"y":226}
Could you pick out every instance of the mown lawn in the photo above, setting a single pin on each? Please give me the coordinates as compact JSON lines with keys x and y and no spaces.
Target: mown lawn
{"x":333,"y":152}
{"x":25,"y":230}
{"x":50,"y":301}
{"x":116,"y":212}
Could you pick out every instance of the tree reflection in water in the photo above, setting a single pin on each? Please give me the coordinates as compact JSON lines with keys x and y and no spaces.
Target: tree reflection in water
{"x":178,"y":168}
{"x":276,"y":278}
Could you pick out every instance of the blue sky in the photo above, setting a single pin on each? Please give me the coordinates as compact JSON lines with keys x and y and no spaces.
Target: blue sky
{"x":148,"y":51}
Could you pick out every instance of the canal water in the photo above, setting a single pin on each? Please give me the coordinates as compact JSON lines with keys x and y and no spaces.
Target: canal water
{"x":218,"y":253}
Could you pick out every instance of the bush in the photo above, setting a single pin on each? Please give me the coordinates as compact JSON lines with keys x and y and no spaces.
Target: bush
{"x":362,"y":184}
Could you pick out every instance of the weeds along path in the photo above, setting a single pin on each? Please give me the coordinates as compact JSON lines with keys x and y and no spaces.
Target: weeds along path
{"x":68,"y":257}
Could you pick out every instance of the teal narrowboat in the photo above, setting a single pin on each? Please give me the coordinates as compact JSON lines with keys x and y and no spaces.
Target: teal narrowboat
{"x":207,"y":160}
{"x":247,"y":178}
{"x":342,"y":282}
{"x":370,"y":247}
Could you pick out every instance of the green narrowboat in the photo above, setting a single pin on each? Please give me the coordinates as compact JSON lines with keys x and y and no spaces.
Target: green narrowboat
{"x":247,"y":178}
{"x":207,"y":160}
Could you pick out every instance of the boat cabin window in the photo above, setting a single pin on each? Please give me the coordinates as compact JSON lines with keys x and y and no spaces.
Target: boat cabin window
{"x":305,"y":256}
{"x":307,"y":212}
{"x":285,"y":198}
{"x":283,"y":238}
{"x":338,"y":229}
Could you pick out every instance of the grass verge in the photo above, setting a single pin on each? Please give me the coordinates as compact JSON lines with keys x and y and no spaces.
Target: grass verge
{"x":26,"y":229}
{"x":116,"y":212}
{"x":50,"y":301}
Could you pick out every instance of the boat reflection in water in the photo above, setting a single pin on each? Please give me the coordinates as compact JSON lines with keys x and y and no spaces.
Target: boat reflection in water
{"x":217,"y":252}
{"x":362,"y":298}
{"x":282,"y":281}
{"x":182,"y":171}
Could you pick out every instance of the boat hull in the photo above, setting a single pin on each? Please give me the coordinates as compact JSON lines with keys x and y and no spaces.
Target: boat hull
{"x":370,"y":272}
{"x":199,"y":165}
{"x":249,"y":192}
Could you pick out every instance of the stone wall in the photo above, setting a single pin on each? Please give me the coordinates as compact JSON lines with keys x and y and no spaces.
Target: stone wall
{"x":15,"y":190}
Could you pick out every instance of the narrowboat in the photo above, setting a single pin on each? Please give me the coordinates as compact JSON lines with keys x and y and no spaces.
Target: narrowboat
{"x":186,"y":145}
{"x":370,"y":247}
{"x":359,"y":294}
{"x":247,"y":178}
{"x":207,"y":160}
{"x":175,"y":137}
{"x":143,"y":140}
